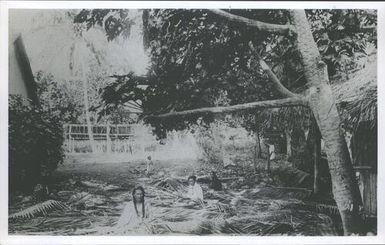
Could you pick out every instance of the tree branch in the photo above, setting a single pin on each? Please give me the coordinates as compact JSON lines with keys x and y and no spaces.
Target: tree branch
{"x":277,"y":84}
{"x":259,"y":25}
{"x":142,"y":80}
{"x":297,"y":101}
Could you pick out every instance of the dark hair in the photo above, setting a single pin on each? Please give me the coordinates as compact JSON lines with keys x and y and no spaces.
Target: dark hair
{"x":215,"y":182}
{"x":193,"y":177}
{"x":214,"y":175}
{"x":134,"y":199}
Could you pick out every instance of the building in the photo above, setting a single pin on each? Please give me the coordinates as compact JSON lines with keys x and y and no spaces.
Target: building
{"x":20,"y":80}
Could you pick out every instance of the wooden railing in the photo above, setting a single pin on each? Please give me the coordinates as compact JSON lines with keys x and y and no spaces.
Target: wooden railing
{"x":107,"y":138}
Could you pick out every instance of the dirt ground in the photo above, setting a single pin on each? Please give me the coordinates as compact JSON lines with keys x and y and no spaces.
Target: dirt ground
{"x":96,"y":189}
{"x":121,"y":170}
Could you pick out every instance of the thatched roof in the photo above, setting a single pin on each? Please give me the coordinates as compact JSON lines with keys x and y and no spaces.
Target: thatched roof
{"x":356,"y":95}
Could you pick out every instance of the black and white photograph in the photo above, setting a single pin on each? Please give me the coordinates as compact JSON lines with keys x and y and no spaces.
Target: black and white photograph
{"x":178,"y":121}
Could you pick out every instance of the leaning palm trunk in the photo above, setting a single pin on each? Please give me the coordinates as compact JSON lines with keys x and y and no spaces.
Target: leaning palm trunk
{"x":323,"y":106}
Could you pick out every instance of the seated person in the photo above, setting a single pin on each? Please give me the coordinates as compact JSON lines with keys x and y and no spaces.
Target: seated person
{"x":216,"y":184}
{"x":135,"y":212}
{"x":194,"y":190}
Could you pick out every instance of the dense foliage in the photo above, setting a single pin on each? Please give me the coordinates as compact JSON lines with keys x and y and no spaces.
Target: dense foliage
{"x":65,"y":99}
{"x":345,"y":37}
{"x":199,"y":59}
{"x":58,"y":99}
{"x":35,"y":144}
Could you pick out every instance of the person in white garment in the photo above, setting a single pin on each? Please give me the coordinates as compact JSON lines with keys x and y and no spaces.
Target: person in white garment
{"x":135,"y":213}
{"x":194,"y":190}
{"x":149,"y":166}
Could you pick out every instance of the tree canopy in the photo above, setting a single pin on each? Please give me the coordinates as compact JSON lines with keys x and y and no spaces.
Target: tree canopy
{"x":200,"y":59}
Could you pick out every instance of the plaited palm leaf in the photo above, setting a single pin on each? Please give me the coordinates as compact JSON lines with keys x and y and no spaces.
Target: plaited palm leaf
{"x":220,"y":208}
{"x":39,"y":209}
{"x":331,"y":210}
{"x":299,"y":176}
{"x":328,"y":209}
{"x":291,"y":176}
{"x":170,"y":183}
{"x":279,"y":228}
{"x":282,"y":193}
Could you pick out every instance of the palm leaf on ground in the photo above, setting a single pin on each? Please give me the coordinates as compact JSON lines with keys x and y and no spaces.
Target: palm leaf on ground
{"x":39,"y":209}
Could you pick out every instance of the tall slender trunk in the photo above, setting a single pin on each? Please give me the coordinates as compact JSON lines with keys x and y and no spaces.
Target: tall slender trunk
{"x":322,"y":103}
{"x":259,"y":155}
{"x":86,"y":106}
{"x":316,"y":159}
{"x":268,"y":161}
{"x":145,"y":30}
{"x":108,"y":138}
{"x":288,"y":144}
{"x":257,"y":150}
{"x":258,"y":140}
{"x":255,"y":155}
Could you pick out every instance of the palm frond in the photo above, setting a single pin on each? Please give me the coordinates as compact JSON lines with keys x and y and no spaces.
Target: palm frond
{"x":328,"y":209}
{"x":278,"y":228}
{"x":169,"y":183}
{"x":291,"y":176}
{"x":285,"y":193}
{"x":42,"y":208}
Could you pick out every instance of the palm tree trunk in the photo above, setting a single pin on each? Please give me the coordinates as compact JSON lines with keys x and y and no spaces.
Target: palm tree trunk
{"x":322,"y":103}
{"x":257,"y":150}
{"x":255,"y":157}
{"x":316,"y":159}
{"x":288,"y":144}
{"x":258,"y":139}
{"x":146,"y":38}
{"x":259,"y":155}
{"x":86,"y":106}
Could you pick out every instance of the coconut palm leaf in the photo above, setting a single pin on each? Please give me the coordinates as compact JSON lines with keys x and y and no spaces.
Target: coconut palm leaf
{"x":291,"y":176}
{"x":327,"y":209}
{"x":279,"y":228}
{"x":170,"y":183}
{"x":285,"y":192}
{"x":42,"y":208}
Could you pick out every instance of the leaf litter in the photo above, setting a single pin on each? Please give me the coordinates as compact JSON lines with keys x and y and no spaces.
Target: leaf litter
{"x":245,"y":207}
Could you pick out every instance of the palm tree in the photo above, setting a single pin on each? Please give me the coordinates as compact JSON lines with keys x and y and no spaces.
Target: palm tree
{"x":59,"y":47}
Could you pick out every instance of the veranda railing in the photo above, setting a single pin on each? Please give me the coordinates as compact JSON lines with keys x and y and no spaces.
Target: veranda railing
{"x":107,"y":138}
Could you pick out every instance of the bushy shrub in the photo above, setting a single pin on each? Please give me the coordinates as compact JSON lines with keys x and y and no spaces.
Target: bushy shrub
{"x":59,"y":98}
{"x":209,"y":144}
{"x":223,"y":138}
{"x":35,"y":144}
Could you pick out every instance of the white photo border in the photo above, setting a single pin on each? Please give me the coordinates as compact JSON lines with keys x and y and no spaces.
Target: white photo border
{"x":17,"y":239}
